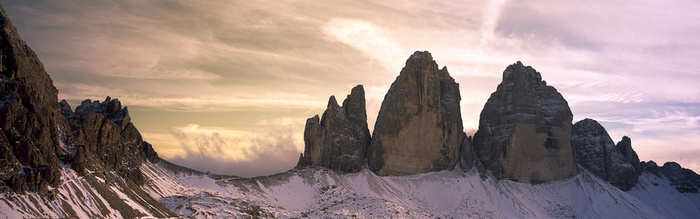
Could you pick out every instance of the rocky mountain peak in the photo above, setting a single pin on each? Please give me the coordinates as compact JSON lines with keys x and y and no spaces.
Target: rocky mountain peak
{"x":521,"y":74}
{"x":110,"y":108}
{"x":597,"y":152}
{"x":339,"y":140}
{"x":332,"y":102}
{"x":525,"y":129}
{"x":419,"y":126}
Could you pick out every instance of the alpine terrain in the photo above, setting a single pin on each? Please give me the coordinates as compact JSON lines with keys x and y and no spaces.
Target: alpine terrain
{"x":528,"y":159}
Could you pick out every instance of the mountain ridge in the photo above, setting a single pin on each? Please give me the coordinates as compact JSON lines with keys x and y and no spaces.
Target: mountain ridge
{"x":93,"y":162}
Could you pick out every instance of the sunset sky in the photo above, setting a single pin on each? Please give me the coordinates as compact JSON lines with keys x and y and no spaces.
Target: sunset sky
{"x":226,"y":86}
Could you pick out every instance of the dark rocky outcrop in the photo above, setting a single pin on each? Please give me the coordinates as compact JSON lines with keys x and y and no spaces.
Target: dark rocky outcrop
{"x":38,"y":135}
{"x":597,"y":152}
{"x":103,"y":138}
{"x":685,"y":180}
{"x":339,"y":140}
{"x":525,"y":130}
{"x":29,"y":114}
{"x":419,"y":126}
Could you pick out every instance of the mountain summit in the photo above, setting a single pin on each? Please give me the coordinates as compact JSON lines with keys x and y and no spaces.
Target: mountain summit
{"x":419,"y":126}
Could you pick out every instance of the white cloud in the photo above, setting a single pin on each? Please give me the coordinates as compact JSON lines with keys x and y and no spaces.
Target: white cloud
{"x":235,"y":152}
{"x":364,"y":36}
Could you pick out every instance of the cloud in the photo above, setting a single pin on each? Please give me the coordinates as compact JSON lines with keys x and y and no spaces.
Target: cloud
{"x":233,"y":152}
{"x":613,"y":61}
{"x":367,"y":38}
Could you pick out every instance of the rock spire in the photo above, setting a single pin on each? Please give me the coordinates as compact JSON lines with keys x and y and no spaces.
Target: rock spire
{"x":419,"y":126}
{"x":339,"y":139}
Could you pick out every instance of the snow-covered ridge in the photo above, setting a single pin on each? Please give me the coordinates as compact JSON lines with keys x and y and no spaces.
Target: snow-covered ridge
{"x":319,"y":192}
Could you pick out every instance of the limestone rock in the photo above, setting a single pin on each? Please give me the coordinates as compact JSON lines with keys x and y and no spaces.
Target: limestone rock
{"x":596,"y":152}
{"x":525,"y":130}
{"x":29,"y":112}
{"x":339,"y":140}
{"x":419,"y":126}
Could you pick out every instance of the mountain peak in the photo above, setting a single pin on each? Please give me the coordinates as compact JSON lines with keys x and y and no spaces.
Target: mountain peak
{"x":525,"y":129}
{"x":520,"y":74}
{"x":419,"y":126}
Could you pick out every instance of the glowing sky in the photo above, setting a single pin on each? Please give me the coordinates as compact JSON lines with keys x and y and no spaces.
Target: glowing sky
{"x":226,"y":86}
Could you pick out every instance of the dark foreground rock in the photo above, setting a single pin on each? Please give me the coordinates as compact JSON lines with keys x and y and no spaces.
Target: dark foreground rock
{"x":419,"y":126}
{"x":340,"y":138}
{"x":525,"y":130}
{"x":29,"y":117}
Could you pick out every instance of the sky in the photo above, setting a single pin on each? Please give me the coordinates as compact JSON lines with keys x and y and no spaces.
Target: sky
{"x":226,"y":86}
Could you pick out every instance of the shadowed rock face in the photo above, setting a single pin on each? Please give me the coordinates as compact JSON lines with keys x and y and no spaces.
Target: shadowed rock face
{"x":597,"y":152}
{"x":525,"y":130}
{"x":29,"y":114}
{"x":339,"y":140}
{"x":419,"y":126}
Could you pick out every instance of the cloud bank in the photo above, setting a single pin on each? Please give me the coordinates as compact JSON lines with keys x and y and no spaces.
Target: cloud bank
{"x":226,"y":152}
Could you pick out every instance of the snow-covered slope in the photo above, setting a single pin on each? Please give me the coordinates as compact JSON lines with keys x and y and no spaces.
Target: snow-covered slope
{"x":82,"y":196}
{"x":318,"y":192}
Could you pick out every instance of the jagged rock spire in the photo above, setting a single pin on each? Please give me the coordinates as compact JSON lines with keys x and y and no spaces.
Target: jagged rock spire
{"x":339,"y":140}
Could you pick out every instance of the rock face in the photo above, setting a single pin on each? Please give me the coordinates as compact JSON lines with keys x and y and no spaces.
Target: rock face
{"x":38,"y":135}
{"x":339,"y":140}
{"x":597,"y":152}
{"x":29,"y":114}
{"x":525,"y":130}
{"x":419,"y":127}
{"x":103,"y":138}
{"x":685,"y":180}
